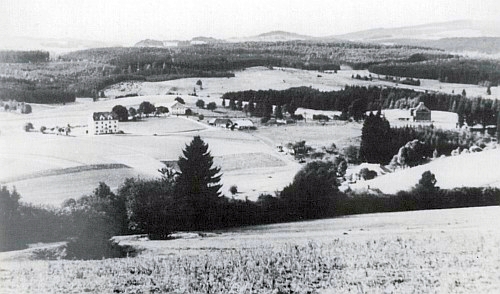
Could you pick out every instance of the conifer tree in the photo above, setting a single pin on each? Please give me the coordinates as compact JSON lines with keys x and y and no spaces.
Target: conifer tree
{"x":198,"y":185}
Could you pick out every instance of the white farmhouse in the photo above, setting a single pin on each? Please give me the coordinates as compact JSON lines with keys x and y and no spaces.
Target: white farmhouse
{"x":177,"y":108}
{"x":103,"y":123}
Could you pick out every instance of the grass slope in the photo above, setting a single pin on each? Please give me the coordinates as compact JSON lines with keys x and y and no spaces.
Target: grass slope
{"x":466,"y":170}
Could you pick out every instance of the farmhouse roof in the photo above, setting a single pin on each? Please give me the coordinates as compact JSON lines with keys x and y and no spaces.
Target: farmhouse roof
{"x":104,"y":116}
{"x":421,"y":107}
{"x":177,"y":104}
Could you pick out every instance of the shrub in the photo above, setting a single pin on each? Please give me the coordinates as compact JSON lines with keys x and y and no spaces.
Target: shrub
{"x":233,"y":189}
{"x":211,"y":106}
{"x":28,"y":127}
{"x":367,"y":174}
{"x":320,"y":117}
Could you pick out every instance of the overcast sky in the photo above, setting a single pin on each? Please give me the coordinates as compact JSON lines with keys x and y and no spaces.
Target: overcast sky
{"x":128,"y":21}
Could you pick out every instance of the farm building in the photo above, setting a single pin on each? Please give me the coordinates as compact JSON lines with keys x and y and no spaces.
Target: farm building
{"x":421,"y":113}
{"x":220,"y":122}
{"x":103,"y":123}
{"x":243,"y":124}
{"x":177,"y":108}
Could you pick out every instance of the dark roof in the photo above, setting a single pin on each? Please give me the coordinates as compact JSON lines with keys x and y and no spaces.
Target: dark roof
{"x":108,"y":115}
{"x":222,"y":121}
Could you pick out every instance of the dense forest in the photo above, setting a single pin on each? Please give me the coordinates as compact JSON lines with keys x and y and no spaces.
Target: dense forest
{"x":455,"y":70}
{"x":23,"y":56}
{"x":355,"y":101}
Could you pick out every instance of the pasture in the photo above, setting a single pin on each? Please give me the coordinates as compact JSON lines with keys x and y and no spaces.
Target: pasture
{"x":443,"y":251}
{"x":262,"y":78}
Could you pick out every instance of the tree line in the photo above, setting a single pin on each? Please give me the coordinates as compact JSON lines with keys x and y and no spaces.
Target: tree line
{"x":22,"y":90}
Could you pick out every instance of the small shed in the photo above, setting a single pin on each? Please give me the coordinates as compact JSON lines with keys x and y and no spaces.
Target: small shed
{"x":421,"y":113}
{"x":220,"y":122}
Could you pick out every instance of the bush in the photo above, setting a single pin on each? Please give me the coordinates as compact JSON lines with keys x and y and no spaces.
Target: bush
{"x":320,"y":117}
{"x":367,"y":174}
{"x":211,"y":106}
{"x":28,"y":127}
{"x":233,"y":189}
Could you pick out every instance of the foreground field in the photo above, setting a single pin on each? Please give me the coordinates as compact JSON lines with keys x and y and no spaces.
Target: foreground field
{"x":443,"y":251}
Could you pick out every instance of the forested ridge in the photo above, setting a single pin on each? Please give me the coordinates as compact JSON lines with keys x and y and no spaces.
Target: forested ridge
{"x":454,"y":70}
{"x":86,"y":72}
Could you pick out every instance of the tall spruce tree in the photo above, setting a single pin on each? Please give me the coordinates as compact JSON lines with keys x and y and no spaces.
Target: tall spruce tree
{"x":375,"y":140}
{"x":198,"y":185}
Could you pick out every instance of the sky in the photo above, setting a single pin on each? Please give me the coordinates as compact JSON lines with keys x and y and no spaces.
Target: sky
{"x":128,"y":21}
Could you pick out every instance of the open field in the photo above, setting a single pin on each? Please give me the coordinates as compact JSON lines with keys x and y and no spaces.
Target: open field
{"x":437,"y":251}
{"x":315,"y":134}
{"x":262,"y":78}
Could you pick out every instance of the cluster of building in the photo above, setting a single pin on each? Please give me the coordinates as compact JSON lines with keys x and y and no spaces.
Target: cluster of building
{"x":239,"y":124}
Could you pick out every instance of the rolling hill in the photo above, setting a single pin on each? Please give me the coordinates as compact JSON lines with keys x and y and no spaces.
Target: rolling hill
{"x":432,"y":31}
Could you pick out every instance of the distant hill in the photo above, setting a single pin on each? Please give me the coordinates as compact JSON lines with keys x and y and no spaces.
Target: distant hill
{"x":432,"y":31}
{"x":454,"y":36}
{"x":149,"y":43}
{"x":273,"y":36}
{"x":174,"y":43}
{"x":462,"y":36}
{"x":486,"y":45}
{"x":57,"y":46}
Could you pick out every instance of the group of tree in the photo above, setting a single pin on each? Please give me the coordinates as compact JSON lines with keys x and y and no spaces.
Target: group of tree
{"x":380,"y":143}
{"x":145,"y":108}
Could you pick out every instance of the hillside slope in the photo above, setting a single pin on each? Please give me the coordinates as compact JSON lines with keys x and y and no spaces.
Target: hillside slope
{"x":466,"y":170}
